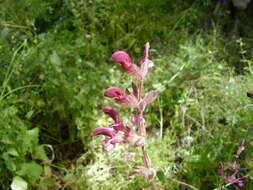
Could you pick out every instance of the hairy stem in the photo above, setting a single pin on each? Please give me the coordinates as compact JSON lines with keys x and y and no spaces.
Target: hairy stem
{"x":141,"y":124}
{"x":146,"y":160}
{"x":145,"y":157}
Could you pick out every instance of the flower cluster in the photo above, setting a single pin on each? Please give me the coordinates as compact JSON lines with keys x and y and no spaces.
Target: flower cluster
{"x":133,"y":99}
{"x":112,"y":130}
{"x":233,"y":168}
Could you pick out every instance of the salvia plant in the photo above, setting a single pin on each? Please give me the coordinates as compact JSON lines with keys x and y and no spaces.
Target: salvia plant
{"x":120,"y":133}
{"x":230,"y":169}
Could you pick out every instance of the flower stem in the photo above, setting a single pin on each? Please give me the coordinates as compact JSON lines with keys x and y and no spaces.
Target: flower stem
{"x":145,"y":157}
{"x":146,"y":160}
{"x":141,"y":89}
{"x":141,"y":124}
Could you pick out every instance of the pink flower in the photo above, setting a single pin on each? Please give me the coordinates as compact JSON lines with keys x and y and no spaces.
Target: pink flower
{"x":112,"y":113}
{"x":235,"y":168}
{"x":123,"y":59}
{"x":126,"y":63}
{"x":118,"y":95}
{"x":239,"y":181}
{"x":118,"y":126}
{"x":110,"y":142}
{"x":112,"y":130}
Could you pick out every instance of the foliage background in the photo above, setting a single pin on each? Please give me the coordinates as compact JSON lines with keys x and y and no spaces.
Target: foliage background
{"x":54,"y":57}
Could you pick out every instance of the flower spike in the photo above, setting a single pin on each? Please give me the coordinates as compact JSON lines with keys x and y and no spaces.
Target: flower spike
{"x":118,"y":132}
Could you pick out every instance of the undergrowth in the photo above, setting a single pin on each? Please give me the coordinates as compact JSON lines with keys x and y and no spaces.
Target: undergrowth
{"x":54,"y":65}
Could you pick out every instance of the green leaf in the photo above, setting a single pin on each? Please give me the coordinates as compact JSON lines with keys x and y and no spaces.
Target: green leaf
{"x":29,"y":114}
{"x":39,"y":153}
{"x":31,"y":170}
{"x":18,"y":183}
{"x":12,"y":152}
{"x":55,"y":59}
{"x":33,"y":133}
{"x":31,"y":138}
{"x":48,"y":182}
{"x":10,"y":161}
{"x":161,"y":176}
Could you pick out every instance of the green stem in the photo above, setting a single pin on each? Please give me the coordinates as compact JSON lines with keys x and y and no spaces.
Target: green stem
{"x":11,"y":69}
{"x":17,"y":89}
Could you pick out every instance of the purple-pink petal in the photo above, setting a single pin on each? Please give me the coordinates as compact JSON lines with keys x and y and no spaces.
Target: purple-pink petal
{"x":118,"y":127}
{"x":126,"y":63}
{"x":113,"y":92}
{"x":112,"y":113}
{"x":117,"y":139}
{"x":239,"y":181}
{"x":109,"y":142}
{"x":232,"y":179}
{"x":241,"y":148}
{"x":110,"y":132}
{"x":122,"y":58}
{"x":116,"y":94}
